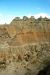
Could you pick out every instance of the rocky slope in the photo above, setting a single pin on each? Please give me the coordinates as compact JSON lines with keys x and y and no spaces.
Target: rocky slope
{"x":24,"y":46}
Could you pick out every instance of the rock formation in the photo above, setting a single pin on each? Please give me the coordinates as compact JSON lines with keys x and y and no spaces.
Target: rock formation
{"x":24,"y":46}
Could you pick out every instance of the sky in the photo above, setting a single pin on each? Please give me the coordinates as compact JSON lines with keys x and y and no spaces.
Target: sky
{"x":10,"y":9}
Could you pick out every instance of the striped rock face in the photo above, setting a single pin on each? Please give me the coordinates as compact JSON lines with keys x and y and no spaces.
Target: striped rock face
{"x":24,"y":47}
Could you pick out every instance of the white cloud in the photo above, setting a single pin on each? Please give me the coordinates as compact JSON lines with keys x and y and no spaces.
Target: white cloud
{"x":41,"y":14}
{"x":38,"y":15}
{"x":5,"y":19}
{"x":8,"y":18}
{"x":29,"y":15}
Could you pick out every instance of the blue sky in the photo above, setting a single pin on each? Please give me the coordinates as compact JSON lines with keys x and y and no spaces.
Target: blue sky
{"x":11,"y":8}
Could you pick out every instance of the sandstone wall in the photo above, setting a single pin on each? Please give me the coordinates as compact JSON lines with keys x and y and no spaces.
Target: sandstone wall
{"x":24,"y":47}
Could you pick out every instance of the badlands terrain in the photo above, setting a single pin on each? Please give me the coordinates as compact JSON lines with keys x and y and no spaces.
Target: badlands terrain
{"x":24,"y":46}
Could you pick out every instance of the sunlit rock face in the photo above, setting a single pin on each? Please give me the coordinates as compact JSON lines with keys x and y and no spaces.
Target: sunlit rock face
{"x":24,"y":46}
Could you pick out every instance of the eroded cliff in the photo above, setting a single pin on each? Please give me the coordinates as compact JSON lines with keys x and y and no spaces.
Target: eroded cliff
{"x":24,"y":47}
